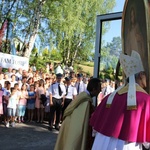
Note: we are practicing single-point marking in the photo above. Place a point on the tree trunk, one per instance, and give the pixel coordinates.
(67, 57)
(36, 24)
(25, 40)
(31, 42)
(32, 38)
(73, 58)
(75, 54)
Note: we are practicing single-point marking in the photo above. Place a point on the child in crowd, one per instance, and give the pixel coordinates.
(18, 93)
(22, 103)
(31, 103)
(36, 85)
(1, 102)
(6, 95)
(47, 83)
(40, 108)
(11, 108)
(47, 106)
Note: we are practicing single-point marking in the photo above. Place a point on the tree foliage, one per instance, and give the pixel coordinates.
(25, 16)
(68, 26)
(109, 57)
(72, 25)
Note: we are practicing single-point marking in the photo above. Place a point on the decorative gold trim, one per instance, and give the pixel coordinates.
(125, 89)
(108, 105)
(131, 107)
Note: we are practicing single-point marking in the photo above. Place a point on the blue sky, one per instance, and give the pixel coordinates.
(119, 5)
(115, 26)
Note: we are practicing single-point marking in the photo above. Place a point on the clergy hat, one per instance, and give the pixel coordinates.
(59, 75)
(67, 78)
(79, 75)
(131, 65)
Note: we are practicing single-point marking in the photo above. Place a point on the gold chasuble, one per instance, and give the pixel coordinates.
(73, 133)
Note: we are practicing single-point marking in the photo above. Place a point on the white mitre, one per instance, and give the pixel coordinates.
(131, 65)
(58, 70)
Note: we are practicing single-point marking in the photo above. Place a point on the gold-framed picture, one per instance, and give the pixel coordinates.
(135, 31)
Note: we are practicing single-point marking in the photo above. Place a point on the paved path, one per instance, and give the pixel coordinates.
(27, 136)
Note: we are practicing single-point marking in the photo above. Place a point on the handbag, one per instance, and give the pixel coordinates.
(43, 99)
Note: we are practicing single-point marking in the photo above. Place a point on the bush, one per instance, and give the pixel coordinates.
(79, 68)
(90, 64)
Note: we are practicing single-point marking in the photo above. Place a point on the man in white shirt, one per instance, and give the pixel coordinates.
(57, 93)
(9, 72)
(13, 80)
(80, 85)
(19, 74)
(71, 93)
(107, 89)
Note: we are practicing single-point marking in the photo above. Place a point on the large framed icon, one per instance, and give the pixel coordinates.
(135, 31)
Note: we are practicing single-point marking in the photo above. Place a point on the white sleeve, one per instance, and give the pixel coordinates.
(74, 91)
(146, 145)
(85, 87)
(50, 89)
(64, 90)
(5, 93)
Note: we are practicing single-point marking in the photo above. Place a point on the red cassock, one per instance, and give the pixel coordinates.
(120, 123)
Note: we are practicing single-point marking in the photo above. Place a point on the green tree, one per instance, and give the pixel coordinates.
(55, 55)
(115, 46)
(34, 56)
(26, 18)
(72, 25)
(39, 60)
(110, 53)
(67, 25)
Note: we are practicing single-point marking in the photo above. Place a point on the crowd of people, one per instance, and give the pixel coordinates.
(21, 94)
(66, 98)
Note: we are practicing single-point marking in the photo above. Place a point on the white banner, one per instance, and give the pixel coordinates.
(14, 62)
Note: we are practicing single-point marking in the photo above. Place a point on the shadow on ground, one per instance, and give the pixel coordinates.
(27, 136)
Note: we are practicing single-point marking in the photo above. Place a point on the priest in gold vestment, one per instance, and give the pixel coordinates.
(75, 132)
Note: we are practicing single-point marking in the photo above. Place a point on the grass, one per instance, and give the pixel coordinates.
(90, 64)
(87, 69)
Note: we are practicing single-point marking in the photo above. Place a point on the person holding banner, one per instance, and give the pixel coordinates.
(13, 80)
(19, 74)
(9, 72)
